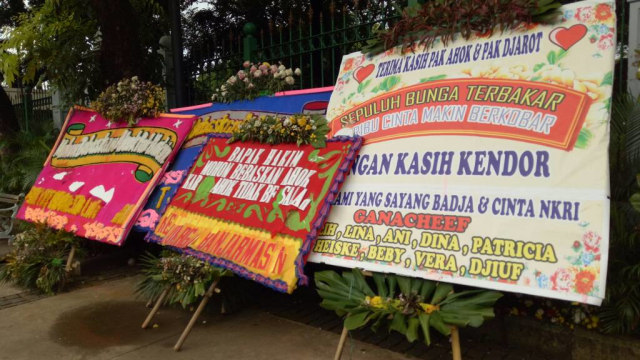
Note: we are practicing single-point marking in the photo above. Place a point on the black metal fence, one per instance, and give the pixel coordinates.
(315, 43)
(31, 105)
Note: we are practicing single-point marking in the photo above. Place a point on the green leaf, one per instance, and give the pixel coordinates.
(405, 284)
(584, 137)
(551, 57)
(433, 78)
(424, 324)
(363, 85)
(362, 283)
(538, 66)
(442, 290)
(355, 321)
(412, 329)
(399, 323)
(635, 201)
(560, 54)
(381, 284)
(416, 285)
(608, 79)
(392, 281)
(389, 82)
(437, 323)
(426, 290)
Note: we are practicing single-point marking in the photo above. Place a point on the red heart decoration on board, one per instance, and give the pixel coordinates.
(566, 38)
(362, 72)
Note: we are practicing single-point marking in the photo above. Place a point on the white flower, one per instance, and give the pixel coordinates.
(223, 88)
(289, 80)
(282, 68)
(289, 72)
(298, 71)
(135, 78)
(257, 73)
(250, 86)
(232, 80)
(246, 80)
(224, 93)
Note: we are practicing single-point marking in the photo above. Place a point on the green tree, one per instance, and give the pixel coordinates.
(9, 9)
(81, 47)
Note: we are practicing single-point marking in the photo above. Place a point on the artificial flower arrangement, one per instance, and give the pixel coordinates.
(130, 100)
(441, 20)
(256, 79)
(38, 258)
(296, 129)
(406, 305)
(186, 276)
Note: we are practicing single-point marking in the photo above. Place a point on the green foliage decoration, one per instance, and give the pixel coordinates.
(442, 19)
(38, 258)
(130, 100)
(187, 277)
(409, 306)
(297, 129)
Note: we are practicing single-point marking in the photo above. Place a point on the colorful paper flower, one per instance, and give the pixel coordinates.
(603, 12)
(562, 280)
(584, 281)
(591, 241)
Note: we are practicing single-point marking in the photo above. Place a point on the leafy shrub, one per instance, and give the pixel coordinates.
(621, 309)
(38, 258)
(22, 155)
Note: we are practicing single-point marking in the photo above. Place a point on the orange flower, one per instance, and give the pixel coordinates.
(348, 64)
(584, 281)
(603, 12)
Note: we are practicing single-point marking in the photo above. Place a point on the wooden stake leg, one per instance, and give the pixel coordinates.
(67, 268)
(343, 339)
(156, 307)
(72, 253)
(455, 344)
(195, 316)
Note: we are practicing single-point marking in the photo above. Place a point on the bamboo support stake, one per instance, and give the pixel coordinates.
(157, 305)
(72, 253)
(195, 316)
(455, 344)
(67, 268)
(343, 339)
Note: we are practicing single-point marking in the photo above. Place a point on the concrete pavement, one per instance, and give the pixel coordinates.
(103, 322)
